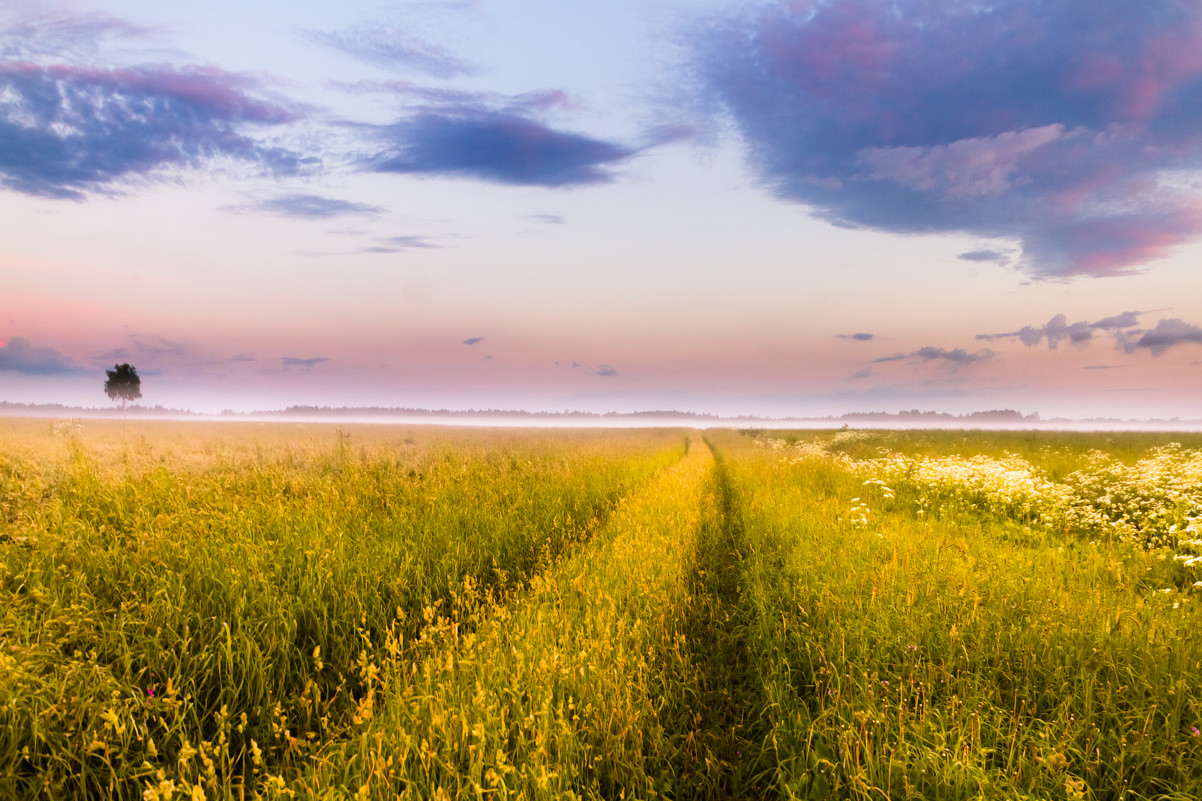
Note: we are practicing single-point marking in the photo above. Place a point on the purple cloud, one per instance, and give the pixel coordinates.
(314, 207)
(473, 340)
(396, 244)
(605, 370)
(1054, 123)
(393, 49)
(1059, 329)
(1168, 333)
(57, 34)
(534, 102)
(955, 358)
(19, 356)
(68, 130)
(857, 337)
(995, 256)
(495, 146)
(289, 361)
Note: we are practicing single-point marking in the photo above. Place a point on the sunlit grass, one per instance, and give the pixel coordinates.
(228, 611)
(937, 640)
(579, 687)
(210, 606)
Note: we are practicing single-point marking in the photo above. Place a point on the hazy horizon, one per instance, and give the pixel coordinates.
(771, 209)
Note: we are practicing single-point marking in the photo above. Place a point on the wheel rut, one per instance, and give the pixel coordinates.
(724, 757)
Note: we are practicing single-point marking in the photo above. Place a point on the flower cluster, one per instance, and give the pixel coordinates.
(1155, 502)
(1008, 487)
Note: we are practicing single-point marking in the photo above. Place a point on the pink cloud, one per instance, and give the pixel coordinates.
(1040, 122)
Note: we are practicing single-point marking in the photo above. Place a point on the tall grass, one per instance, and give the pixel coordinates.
(581, 687)
(282, 611)
(211, 609)
(911, 655)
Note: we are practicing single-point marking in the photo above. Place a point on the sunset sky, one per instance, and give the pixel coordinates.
(800, 208)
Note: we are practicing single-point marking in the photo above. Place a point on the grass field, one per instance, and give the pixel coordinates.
(194, 610)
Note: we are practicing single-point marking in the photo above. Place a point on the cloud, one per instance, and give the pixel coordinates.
(392, 48)
(19, 356)
(548, 219)
(473, 340)
(856, 337)
(1169, 333)
(537, 101)
(955, 358)
(61, 35)
(397, 244)
(1101, 367)
(606, 370)
(314, 207)
(1059, 329)
(289, 361)
(69, 130)
(496, 146)
(383, 245)
(494, 137)
(995, 256)
(1067, 125)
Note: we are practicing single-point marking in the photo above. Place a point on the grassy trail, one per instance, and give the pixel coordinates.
(627, 670)
(726, 717)
(584, 688)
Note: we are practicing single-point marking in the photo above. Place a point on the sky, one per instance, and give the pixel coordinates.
(769, 208)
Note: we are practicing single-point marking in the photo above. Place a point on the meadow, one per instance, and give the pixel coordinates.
(220, 611)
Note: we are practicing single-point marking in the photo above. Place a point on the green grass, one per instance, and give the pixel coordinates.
(229, 611)
(960, 654)
(221, 606)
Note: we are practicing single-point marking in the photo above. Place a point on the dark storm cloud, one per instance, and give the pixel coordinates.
(1059, 329)
(392, 48)
(68, 130)
(1065, 124)
(314, 207)
(19, 356)
(496, 146)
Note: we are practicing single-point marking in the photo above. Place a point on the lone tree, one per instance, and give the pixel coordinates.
(123, 383)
